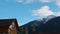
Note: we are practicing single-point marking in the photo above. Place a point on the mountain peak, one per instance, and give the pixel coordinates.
(45, 19)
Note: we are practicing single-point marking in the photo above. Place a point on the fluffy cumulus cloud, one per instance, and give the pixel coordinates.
(44, 11)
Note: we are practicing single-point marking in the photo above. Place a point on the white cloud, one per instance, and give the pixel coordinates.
(30, 1)
(57, 13)
(43, 11)
(26, 1)
(57, 2)
(45, 0)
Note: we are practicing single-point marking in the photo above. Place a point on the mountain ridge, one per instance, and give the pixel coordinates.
(42, 25)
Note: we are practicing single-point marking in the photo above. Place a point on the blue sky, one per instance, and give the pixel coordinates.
(28, 10)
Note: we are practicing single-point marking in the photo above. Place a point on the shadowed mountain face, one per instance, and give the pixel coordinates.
(30, 27)
(53, 24)
(49, 25)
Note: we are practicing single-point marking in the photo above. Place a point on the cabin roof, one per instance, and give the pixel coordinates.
(6, 22)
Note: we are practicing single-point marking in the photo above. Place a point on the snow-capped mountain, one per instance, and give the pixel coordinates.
(40, 21)
(50, 17)
(48, 23)
(45, 19)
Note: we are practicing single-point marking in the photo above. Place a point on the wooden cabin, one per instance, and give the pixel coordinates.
(8, 26)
